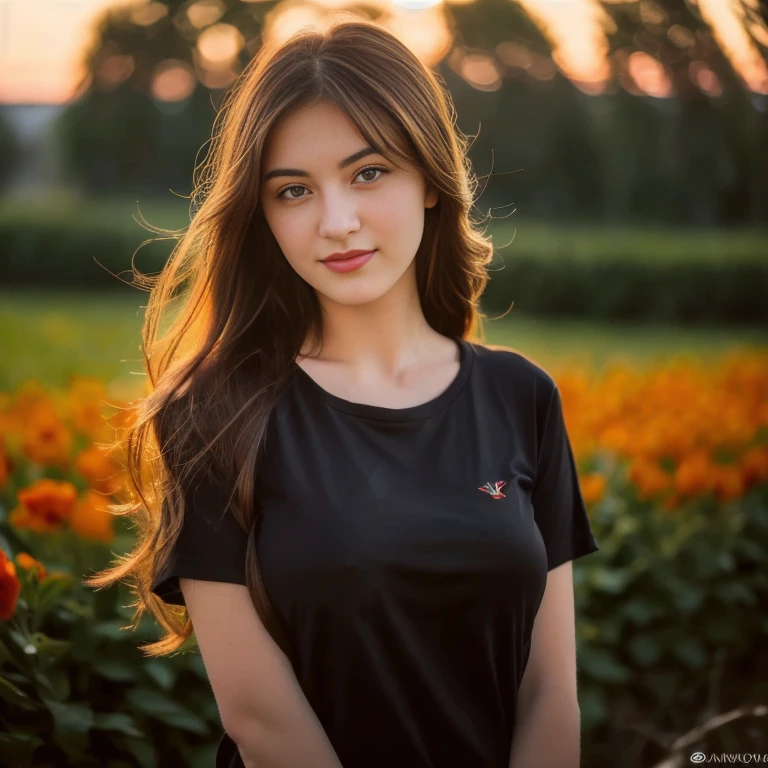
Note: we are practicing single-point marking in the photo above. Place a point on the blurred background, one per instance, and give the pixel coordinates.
(622, 156)
(621, 148)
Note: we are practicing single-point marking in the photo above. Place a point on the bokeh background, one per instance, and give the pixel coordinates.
(621, 150)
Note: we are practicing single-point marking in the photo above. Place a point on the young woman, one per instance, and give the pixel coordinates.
(368, 518)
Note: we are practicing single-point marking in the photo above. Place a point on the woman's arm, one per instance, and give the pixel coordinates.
(261, 704)
(548, 722)
(302, 743)
(547, 732)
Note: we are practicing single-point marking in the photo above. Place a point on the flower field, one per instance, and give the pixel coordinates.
(674, 469)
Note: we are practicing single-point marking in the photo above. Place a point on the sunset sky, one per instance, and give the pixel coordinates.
(39, 45)
(40, 41)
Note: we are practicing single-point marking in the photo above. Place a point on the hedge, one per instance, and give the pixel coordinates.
(614, 274)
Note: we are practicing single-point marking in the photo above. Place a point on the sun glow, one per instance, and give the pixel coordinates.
(40, 52)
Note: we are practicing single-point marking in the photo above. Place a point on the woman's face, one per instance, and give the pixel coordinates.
(315, 207)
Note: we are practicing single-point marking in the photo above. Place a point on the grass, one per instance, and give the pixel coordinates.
(51, 337)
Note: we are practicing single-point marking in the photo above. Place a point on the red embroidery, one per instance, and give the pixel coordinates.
(494, 489)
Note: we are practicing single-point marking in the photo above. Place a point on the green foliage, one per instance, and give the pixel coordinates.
(538, 141)
(77, 691)
(125, 141)
(651, 275)
(76, 243)
(9, 151)
(704, 278)
(671, 622)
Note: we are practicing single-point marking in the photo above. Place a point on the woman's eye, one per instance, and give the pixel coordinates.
(288, 189)
(368, 169)
(373, 169)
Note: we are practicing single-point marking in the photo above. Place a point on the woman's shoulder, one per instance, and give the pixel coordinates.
(501, 360)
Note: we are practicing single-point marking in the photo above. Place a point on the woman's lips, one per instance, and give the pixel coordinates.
(349, 265)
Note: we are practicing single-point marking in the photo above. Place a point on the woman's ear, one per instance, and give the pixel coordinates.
(430, 200)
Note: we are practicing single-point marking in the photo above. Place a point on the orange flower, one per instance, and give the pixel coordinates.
(26, 561)
(46, 439)
(727, 482)
(761, 417)
(86, 405)
(10, 587)
(95, 466)
(694, 474)
(91, 517)
(649, 477)
(44, 505)
(592, 487)
(754, 465)
(616, 437)
(6, 465)
(672, 501)
(27, 397)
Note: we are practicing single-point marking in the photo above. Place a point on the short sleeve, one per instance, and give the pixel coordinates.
(559, 509)
(211, 545)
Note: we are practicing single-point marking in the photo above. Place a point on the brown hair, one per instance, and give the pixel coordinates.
(241, 315)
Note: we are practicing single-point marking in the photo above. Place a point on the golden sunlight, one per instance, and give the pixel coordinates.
(425, 32)
(577, 31)
(728, 22)
(173, 80)
(218, 47)
(40, 58)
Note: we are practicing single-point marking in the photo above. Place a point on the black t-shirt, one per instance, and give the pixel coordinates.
(406, 553)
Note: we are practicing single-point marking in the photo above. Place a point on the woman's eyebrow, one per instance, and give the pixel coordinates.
(342, 165)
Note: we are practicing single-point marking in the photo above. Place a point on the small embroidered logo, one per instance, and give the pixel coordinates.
(494, 489)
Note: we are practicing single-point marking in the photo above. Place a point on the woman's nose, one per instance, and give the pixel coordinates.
(339, 215)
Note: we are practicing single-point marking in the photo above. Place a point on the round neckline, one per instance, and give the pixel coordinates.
(420, 411)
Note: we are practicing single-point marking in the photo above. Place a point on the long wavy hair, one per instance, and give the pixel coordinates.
(240, 315)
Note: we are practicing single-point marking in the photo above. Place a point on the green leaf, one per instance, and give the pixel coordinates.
(690, 651)
(51, 590)
(592, 706)
(203, 756)
(105, 603)
(114, 669)
(14, 695)
(611, 580)
(83, 610)
(722, 632)
(57, 682)
(187, 722)
(48, 649)
(196, 664)
(164, 708)
(111, 630)
(161, 672)
(17, 749)
(144, 751)
(751, 549)
(70, 717)
(116, 721)
(641, 610)
(601, 665)
(6, 654)
(726, 561)
(56, 584)
(736, 592)
(688, 598)
(645, 648)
